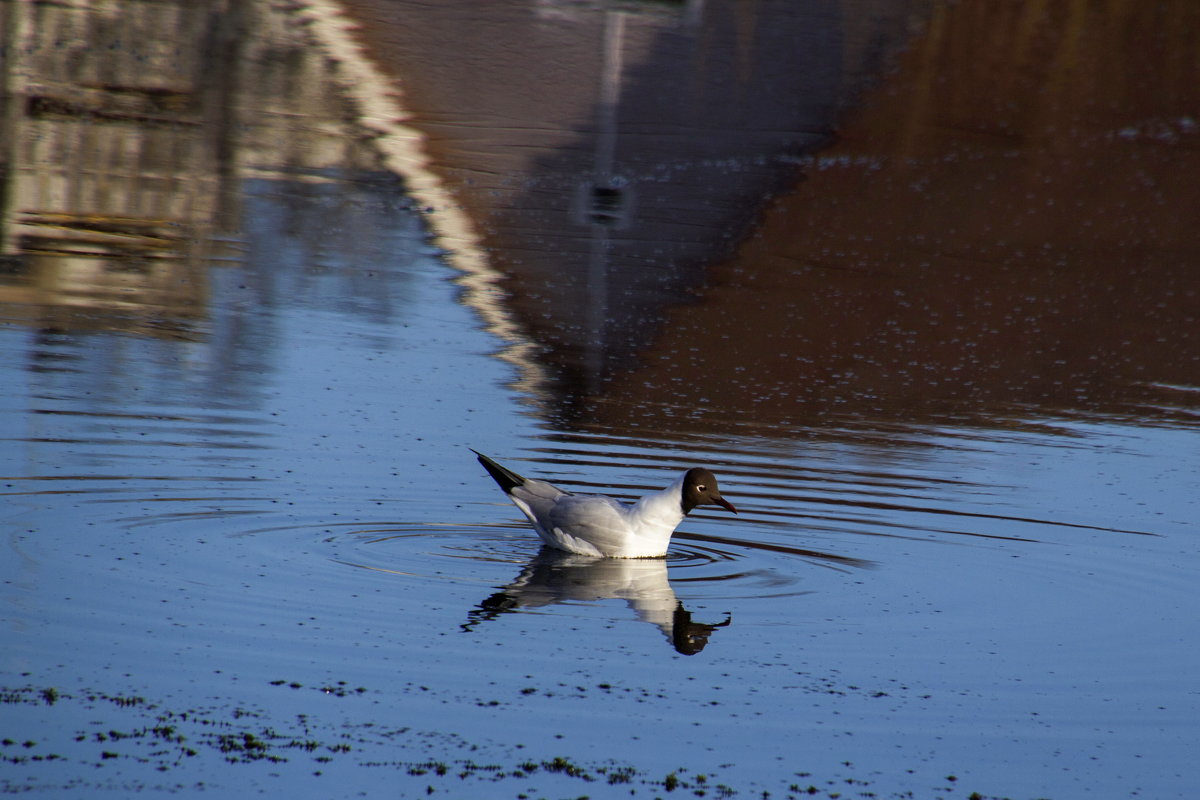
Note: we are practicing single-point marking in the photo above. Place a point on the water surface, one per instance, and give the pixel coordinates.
(246, 546)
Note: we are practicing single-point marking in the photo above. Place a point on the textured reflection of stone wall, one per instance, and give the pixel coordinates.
(126, 128)
(107, 123)
(107, 176)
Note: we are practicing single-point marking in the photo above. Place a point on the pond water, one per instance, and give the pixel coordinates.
(254, 321)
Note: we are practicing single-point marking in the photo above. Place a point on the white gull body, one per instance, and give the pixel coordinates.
(595, 525)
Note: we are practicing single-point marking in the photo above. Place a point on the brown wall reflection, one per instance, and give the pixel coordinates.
(1005, 222)
(1006, 227)
(608, 152)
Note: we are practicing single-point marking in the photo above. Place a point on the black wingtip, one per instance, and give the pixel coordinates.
(506, 478)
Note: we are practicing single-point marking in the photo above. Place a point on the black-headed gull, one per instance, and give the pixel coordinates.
(595, 525)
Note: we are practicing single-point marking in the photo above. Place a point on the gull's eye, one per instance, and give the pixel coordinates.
(700, 487)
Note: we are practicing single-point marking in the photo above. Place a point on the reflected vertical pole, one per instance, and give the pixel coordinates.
(603, 188)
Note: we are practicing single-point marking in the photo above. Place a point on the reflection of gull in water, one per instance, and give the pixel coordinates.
(556, 577)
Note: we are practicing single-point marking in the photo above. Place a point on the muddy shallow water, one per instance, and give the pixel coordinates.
(247, 548)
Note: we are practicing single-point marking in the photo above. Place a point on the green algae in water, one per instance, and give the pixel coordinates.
(144, 738)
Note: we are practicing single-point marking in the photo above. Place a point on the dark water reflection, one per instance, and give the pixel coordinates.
(916, 279)
(603, 188)
(1001, 229)
(981, 233)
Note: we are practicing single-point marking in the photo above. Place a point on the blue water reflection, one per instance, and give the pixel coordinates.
(237, 501)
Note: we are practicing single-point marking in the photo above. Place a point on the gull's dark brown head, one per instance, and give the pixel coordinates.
(700, 489)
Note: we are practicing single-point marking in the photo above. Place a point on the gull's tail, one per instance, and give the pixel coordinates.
(507, 479)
